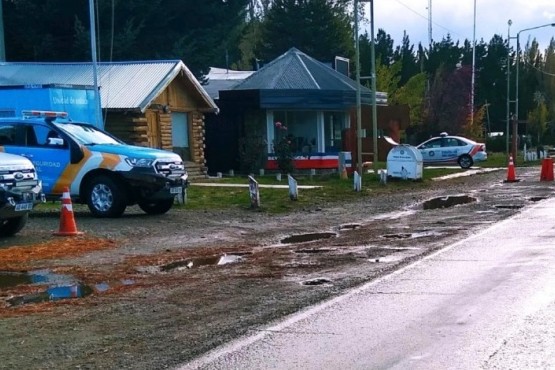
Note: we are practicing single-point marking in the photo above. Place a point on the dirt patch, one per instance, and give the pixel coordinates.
(18, 257)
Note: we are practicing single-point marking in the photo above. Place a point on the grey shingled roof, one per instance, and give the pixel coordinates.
(123, 85)
(294, 70)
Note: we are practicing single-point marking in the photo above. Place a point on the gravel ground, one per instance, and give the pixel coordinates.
(160, 298)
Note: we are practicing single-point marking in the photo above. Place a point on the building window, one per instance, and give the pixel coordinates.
(334, 124)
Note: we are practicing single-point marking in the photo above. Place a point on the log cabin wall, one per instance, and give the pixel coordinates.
(132, 128)
(153, 128)
(177, 97)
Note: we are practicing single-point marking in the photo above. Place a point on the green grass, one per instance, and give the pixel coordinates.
(333, 189)
(501, 160)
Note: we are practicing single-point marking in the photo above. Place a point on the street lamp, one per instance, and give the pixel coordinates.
(508, 87)
(518, 62)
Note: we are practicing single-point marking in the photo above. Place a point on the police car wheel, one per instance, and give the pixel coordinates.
(465, 161)
(12, 226)
(106, 197)
(156, 207)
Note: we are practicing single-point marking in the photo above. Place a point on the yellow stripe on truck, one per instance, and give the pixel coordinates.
(70, 172)
(109, 161)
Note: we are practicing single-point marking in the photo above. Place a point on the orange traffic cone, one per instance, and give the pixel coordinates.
(511, 176)
(67, 221)
(547, 170)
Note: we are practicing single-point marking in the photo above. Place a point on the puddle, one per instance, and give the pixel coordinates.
(537, 199)
(54, 293)
(374, 253)
(317, 281)
(449, 201)
(419, 234)
(397, 236)
(386, 259)
(509, 206)
(392, 215)
(302, 238)
(201, 261)
(314, 250)
(11, 279)
(56, 286)
(349, 227)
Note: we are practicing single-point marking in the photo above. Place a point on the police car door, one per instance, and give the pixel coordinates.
(48, 152)
(430, 150)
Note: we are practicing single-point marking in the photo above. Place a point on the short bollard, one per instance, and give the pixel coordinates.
(254, 193)
(293, 192)
(357, 180)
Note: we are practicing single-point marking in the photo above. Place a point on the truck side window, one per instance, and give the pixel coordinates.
(48, 137)
(7, 134)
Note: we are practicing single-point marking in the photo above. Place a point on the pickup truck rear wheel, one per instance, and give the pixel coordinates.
(156, 207)
(106, 197)
(11, 226)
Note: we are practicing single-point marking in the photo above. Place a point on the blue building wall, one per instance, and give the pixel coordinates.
(79, 102)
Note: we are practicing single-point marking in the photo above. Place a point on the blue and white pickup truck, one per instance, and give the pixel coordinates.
(99, 169)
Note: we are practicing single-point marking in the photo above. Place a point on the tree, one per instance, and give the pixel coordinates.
(405, 55)
(449, 101)
(321, 28)
(537, 118)
(412, 94)
(200, 32)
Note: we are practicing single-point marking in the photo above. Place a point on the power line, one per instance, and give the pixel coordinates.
(428, 19)
(539, 70)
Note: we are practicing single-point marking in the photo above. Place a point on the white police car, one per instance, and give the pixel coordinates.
(447, 149)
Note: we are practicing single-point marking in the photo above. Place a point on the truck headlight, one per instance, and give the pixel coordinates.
(139, 162)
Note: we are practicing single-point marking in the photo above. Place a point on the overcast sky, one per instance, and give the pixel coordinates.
(455, 17)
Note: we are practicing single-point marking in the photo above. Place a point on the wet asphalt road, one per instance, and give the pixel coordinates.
(485, 302)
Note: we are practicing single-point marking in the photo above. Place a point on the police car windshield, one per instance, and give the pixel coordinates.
(86, 135)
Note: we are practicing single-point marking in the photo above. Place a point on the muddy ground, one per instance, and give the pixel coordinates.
(157, 297)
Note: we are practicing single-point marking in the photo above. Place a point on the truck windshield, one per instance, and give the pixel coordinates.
(87, 135)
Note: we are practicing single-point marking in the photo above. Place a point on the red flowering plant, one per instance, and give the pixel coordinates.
(283, 149)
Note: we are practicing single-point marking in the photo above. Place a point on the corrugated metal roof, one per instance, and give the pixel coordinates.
(123, 85)
(296, 70)
(219, 79)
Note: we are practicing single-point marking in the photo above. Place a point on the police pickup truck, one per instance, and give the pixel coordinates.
(20, 191)
(99, 169)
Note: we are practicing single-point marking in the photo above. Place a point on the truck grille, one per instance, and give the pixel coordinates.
(171, 169)
(9, 178)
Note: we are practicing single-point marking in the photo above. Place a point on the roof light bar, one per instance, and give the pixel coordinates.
(43, 114)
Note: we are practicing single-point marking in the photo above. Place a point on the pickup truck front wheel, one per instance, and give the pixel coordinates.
(11, 226)
(156, 207)
(106, 197)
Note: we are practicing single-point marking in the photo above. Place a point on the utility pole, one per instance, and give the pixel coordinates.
(374, 106)
(98, 106)
(358, 103)
(2, 40)
(473, 70)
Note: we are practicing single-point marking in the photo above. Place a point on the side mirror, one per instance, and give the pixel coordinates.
(55, 141)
